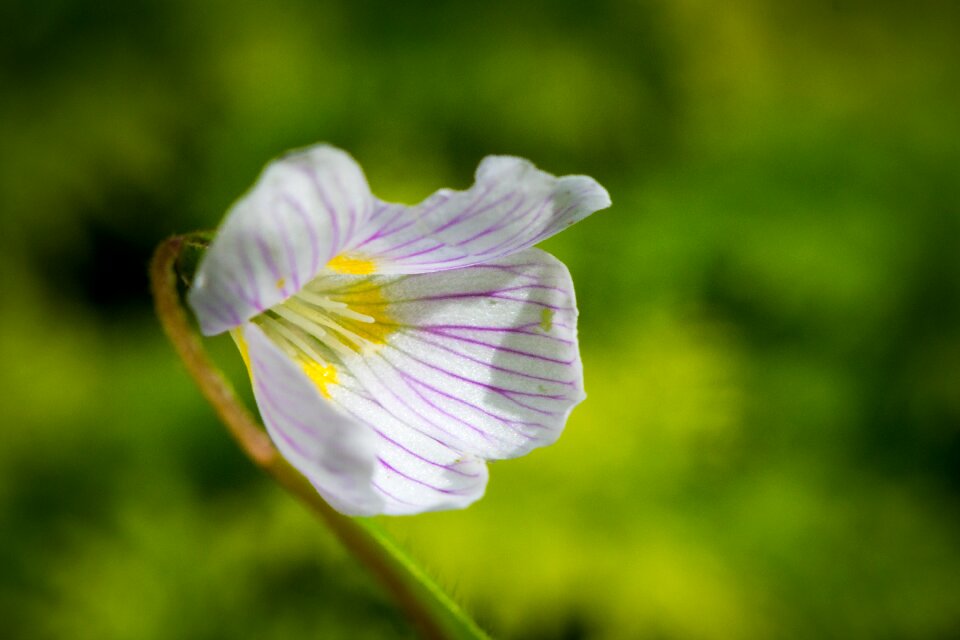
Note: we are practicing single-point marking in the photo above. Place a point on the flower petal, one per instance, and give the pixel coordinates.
(483, 359)
(333, 451)
(416, 472)
(303, 210)
(511, 206)
(362, 465)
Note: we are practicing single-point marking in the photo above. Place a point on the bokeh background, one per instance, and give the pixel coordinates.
(770, 313)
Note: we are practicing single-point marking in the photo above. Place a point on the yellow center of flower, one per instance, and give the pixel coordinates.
(351, 265)
(367, 298)
(320, 374)
(333, 318)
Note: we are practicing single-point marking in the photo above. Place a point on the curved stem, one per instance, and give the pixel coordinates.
(429, 609)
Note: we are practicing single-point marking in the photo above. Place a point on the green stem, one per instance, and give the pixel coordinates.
(433, 614)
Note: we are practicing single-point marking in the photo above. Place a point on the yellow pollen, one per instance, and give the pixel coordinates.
(281, 283)
(320, 374)
(354, 266)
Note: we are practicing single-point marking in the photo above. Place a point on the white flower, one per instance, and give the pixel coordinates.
(394, 349)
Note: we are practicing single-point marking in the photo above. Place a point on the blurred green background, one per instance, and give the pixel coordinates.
(770, 313)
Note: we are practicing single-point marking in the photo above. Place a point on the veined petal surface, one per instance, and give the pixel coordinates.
(511, 206)
(333, 451)
(304, 209)
(362, 464)
(483, 359)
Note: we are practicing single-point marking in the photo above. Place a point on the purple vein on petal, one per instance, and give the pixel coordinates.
(468, 212)
(267, 256)
(444, 394)
(224, 311)
(515, 330)
(406, 243)
(559, 219)
(311, 232)
(484, 385)
(291, 256)
(510, 422)
(538, 303)
(436, 201)
(480, 431)
(519, 238)
(499, 392)
(277, 404)
(311, 174)
(495, 367)
(393, 497)
(269, 410)
(275, 408)
(491, 293)
(415, 412)
(407, 450)
(251, 278)
(237, 290)
(419, 338)
(419, 252)
(462, 421)
(423, 483)
(407, 422)
(497, 347)
(384, 230)
(353, 216)
(503, 221)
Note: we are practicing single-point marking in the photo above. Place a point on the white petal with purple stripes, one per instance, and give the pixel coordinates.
(304, 209)
(511, 206)
(362, 464)
(483, 359)
(415, 472)
(332, 450)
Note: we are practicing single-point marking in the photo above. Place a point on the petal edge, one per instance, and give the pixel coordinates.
(511, 206)
(303, 209)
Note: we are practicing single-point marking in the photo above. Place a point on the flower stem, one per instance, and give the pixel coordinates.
(431, 611)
